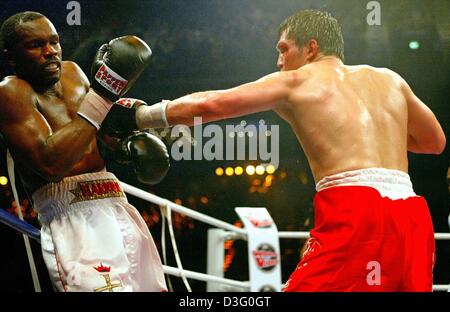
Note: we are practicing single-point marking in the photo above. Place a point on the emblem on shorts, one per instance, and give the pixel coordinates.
(97, 189)
(265, 256)
(104, 271)
(312, 246)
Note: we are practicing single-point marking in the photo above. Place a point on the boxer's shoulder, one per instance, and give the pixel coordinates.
(13, 84)
(371, 70)
(73, 73)
(13, 89)
(16, 98)
(71, 67)
(296, 78)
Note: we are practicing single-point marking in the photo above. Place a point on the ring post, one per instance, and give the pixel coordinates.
(263, 249)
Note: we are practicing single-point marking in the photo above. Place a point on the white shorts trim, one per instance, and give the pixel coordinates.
(393, 184)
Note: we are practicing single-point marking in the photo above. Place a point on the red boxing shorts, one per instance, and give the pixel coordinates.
(371, 233)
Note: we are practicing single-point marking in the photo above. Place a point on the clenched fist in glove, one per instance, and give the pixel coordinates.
(116, 67)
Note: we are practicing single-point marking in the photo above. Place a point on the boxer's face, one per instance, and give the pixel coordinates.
(290, 56)
(37, 54)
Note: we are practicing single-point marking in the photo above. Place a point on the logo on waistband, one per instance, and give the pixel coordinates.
(104, 271)
(97, 189)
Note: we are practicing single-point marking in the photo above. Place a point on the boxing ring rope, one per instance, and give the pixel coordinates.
(205, 277)
(25, 228)
(291, 234)
(181, 209)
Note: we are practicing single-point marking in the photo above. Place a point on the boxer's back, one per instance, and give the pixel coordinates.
(349, 117)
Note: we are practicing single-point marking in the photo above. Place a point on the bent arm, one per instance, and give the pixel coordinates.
(425, 134)
(267, 93)
(51, 155)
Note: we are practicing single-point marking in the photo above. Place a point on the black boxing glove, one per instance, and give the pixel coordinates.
(147, 156)
(116, 67)
(107, 145)
(121, 119)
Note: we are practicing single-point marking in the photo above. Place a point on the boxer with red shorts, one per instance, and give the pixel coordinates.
(372, 233)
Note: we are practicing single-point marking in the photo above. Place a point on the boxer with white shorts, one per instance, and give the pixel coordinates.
(92, 239)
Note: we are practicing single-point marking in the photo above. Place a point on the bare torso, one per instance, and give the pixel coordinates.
(348, 117)
(345, 117)
(55, 109)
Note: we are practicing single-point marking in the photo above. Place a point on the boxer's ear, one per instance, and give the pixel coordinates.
(313, 48)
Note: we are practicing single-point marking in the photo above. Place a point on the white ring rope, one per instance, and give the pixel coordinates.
(205, 277)
(443, 236)
(168, 213)
(12, 178)
(292, 234)
(441, 287)
(163, 245)
(180, 209)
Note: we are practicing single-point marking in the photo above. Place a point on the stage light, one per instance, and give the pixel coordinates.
(3, 180)
(219, 171)
(414, 45)
(268, 181)
(259, 170)
(250, 170)
(270, 169)
(204, 200)
(256, 182)
(229, 171)
(238, 170)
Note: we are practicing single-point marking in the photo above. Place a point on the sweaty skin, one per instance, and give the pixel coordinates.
(345, 117)
(38, 107)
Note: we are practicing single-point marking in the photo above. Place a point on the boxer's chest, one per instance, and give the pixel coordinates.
(60, 108)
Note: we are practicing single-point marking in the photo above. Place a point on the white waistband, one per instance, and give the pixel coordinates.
(393, 184)
(54, 198)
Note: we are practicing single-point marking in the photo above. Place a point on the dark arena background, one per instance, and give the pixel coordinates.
(217, 44)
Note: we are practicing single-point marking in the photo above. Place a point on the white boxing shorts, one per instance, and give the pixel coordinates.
(93, 239)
